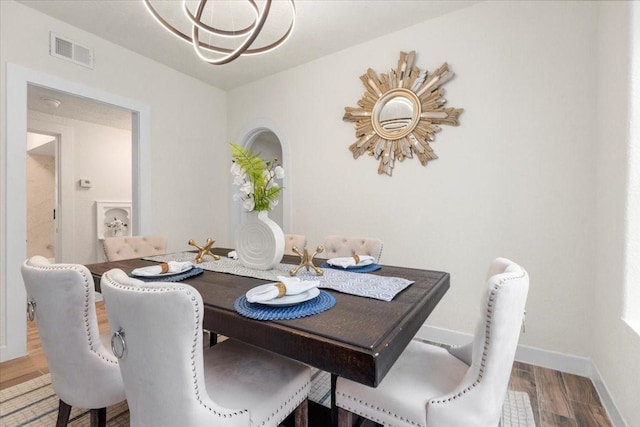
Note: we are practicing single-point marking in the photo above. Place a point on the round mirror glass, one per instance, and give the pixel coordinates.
(397, 114)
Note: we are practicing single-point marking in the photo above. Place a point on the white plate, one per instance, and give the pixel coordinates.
(140, 272)
(287, 299)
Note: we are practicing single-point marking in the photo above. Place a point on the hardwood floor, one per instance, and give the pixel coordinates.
(558, 399)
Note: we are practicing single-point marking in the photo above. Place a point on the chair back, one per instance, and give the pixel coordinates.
(127, 247)
(157, 335)
(341, 246)
(297, 240)
(478, 399)
(84, 372)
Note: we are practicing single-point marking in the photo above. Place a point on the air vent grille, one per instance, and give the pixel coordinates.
(60, 47)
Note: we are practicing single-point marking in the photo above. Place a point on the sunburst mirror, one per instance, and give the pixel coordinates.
(399, 114)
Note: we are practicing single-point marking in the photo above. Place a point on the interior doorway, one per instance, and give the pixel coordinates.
(13, 249)
(93, 163)
(42, 194)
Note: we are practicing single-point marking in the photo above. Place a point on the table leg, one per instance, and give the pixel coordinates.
(213, 338)
(334, 408)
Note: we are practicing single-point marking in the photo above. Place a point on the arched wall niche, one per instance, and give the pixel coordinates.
(269, 141)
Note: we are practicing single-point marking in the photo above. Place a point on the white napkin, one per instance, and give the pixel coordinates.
(155, 270)
(293, 285)
(346, 262)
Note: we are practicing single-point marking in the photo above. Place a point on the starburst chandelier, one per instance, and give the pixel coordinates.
(220, 31)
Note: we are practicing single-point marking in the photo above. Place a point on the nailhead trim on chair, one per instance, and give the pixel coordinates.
(377, 408)
(195, 347)
(487, 336)
(489, 319)
(196, 386)
(85, 316)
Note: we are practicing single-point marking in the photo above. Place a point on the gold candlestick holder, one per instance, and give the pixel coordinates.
(204, 250)
(306, 261)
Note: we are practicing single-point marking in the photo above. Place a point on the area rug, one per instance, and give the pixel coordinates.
(516, 411)
(34, 403)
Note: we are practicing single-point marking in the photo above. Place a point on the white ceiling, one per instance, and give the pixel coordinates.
(76, 107)
(322, 27)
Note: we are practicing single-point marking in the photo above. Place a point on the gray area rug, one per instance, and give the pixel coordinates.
(34, 403)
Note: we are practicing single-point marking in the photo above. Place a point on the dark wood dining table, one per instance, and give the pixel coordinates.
(359, 338)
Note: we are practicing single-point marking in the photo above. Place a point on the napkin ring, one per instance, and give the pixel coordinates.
(282, 289)
(164, 267)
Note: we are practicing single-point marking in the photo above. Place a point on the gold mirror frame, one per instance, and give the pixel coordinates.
(400, 136)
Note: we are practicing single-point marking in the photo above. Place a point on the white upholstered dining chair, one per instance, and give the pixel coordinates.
(465, 386)
(341, 246)
(127, 247)
(291, 240)
(171, 380)
(84, 371)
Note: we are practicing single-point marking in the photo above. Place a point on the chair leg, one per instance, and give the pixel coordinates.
(345, 418)
(64, 411)
(301, 414)
(99, 417)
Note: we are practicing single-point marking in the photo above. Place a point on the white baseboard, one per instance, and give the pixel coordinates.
(577, 365)
(605, 397)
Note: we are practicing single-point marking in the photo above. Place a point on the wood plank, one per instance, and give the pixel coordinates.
(17, 371)
(586, 417)
(548, 419)
(580, 389)
(522, 366)
(552, 396)
(524, 380)
(590, 415)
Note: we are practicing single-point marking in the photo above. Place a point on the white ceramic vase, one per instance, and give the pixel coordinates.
(259, 241)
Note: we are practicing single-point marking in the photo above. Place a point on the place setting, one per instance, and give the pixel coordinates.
(354, 264)
(171, 271)
(288, 298)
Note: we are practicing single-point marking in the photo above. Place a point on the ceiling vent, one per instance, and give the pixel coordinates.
(71, 51)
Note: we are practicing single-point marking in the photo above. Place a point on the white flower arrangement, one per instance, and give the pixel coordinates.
(116, 225)
(256, 180)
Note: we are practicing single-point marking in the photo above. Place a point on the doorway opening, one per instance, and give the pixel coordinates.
(42, 194)
(92, 162)
(13, 248)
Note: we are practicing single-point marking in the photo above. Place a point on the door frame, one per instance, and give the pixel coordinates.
(13, 331)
